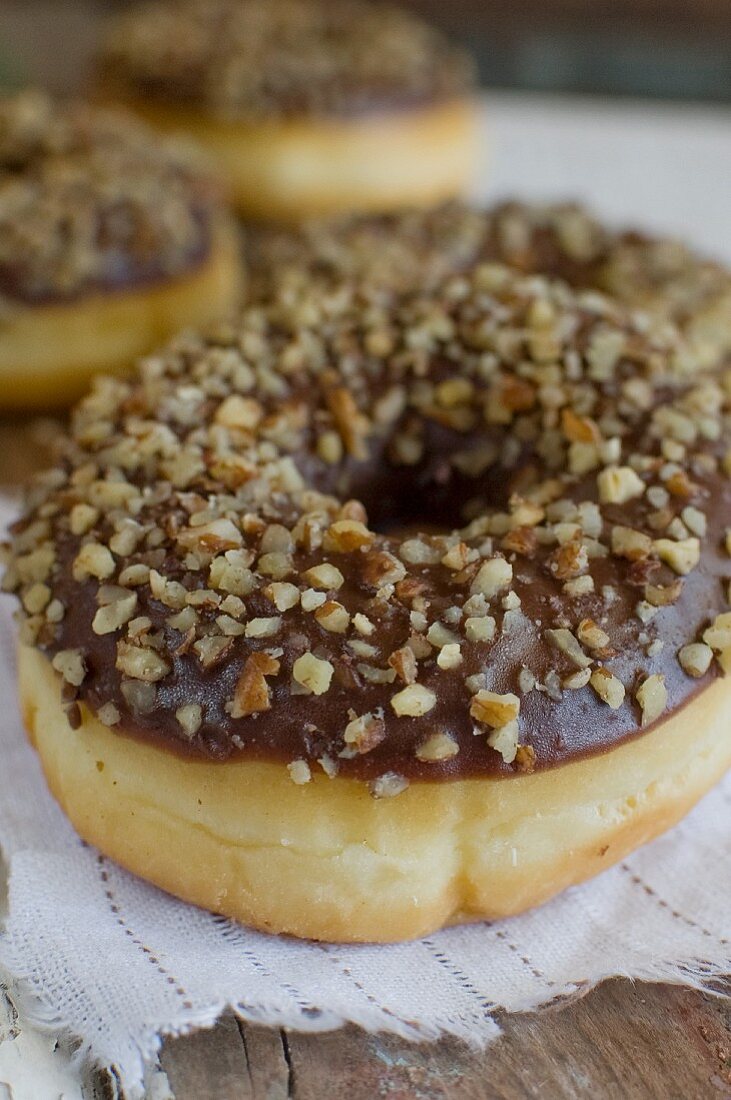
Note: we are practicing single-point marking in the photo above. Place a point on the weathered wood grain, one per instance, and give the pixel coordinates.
(634, 1042)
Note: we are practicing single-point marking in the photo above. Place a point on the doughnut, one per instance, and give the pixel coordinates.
(371, 613)
(110, 242)
(311, 107)
(415, 248)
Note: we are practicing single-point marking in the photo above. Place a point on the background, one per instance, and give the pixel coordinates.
(658, 48)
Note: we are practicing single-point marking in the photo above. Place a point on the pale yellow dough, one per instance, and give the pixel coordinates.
(291, 169)
(326, 860)
(49, 352)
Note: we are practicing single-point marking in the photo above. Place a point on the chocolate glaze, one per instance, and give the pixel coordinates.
(119, 271)
(559, 731)
(298, 403)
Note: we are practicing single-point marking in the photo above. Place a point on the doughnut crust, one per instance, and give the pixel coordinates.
(285, 170)
(221, 572)
(333, 863)
(50, 351)
(311, 108)
(110, 241)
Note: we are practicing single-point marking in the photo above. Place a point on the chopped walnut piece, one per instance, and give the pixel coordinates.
(718, 637)
(325, 576)
(347, 535)
(682, 556)
(210, 650)
(333, 616)
(190, 718)
(313, 673)
(299, 772)
(525, 758)
(504, 740)
(388, 785)
(364, 733)
(695, 659)
(283, 595)
(565, 641)
(239, 412)
(381, 568)
(214, 537)
(264, 627)
(663, 595)
(404, 663)
(579, 429)
(628, 543)
(141, 663)
(492, 709)
(652, 695)
(437, 747)
(592, 635)
(413, 701)
(618, 484)
(449, 656)
(93, 560)
(252, 693)
(108, 714)
(569, 560)
(492, 577)
(70, 663)
(457, 557)
(609, 689)
(114, 615)
(480, 628)
(351, 424)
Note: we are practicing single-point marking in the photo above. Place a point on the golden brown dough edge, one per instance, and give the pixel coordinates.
(292, 169)
(329, 862)
(49, 352)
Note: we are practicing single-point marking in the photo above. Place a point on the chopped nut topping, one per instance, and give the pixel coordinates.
(190, 718)
(413, 701)
(313, 673)
(652, 696)
(388, 785)
(565, 641)
(696, 658)
(252, 693)
(93, 560)
(618, 484)
(202, 513)
(680, 556)
(608, 687)
(492, 577)
(299, 772)
(492, 709)
(437, 747)
(364, 733)
(141, 663)
(70, 663)
(325, 576)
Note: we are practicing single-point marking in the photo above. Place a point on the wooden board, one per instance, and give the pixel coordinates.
(623, 1041)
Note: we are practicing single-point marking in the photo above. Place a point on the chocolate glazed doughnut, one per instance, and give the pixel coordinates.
(249, 685)
(110, 241)
(310, 107)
